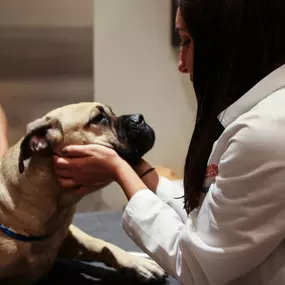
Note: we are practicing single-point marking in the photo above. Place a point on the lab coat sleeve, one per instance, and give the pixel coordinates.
(172, 194)
(239, 224)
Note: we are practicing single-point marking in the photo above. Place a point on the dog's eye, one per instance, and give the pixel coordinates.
(98, 119)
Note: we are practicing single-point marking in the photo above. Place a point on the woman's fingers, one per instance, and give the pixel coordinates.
(78, 150)
(64, 163)
(85, 165)
(64, 173)
(61, 162)
(81, 190)
(67, 183)
(87, 150)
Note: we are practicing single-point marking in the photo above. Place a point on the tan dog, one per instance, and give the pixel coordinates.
(39, 213)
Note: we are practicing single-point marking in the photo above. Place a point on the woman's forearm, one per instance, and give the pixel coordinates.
(129, 180)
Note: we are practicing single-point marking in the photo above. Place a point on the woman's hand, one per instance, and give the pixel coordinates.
(86, 165)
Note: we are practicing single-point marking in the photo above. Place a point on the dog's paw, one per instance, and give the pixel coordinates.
(143, 269)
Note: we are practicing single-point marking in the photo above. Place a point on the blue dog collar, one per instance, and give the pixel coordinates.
(21, 237)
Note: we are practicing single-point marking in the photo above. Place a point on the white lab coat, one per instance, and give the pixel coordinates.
(237, 235)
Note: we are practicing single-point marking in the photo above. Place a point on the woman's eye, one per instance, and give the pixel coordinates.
(185, 43)
(99, 119)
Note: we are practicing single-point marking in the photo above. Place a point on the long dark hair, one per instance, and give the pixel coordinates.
(236, 44)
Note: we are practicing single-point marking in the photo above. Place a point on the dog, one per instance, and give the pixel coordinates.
(36, 214)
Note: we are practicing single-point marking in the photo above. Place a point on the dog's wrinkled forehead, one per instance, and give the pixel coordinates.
(78, 115)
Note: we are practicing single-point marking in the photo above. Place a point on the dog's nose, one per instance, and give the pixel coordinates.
(137, 119)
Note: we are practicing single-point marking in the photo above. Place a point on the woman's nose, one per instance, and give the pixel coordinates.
(182, 67)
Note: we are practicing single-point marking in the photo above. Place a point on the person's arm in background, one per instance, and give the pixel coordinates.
(3, 132)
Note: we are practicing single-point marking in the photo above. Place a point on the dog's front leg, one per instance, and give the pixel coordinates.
(81, 246)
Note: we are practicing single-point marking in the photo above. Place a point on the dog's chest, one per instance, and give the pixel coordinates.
(26, 262)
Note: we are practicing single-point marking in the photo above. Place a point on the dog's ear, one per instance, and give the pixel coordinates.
(42, 134)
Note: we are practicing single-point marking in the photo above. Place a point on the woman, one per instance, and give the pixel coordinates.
(3, 132)
(233, 229)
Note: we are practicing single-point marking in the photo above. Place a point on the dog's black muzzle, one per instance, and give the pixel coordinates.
(136, 135)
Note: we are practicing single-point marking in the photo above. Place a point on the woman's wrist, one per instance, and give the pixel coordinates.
(148, 174)
(142, 167)
(149, 170)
